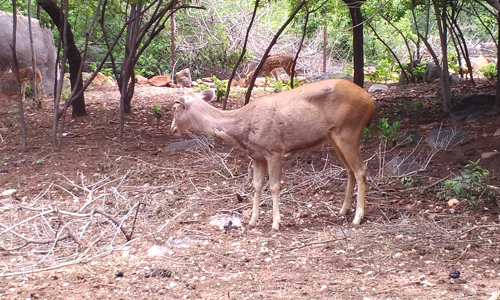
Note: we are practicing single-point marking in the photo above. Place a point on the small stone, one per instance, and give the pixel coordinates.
(455, 274)
(452, 202)
(323, 288)
(8, 192)
(487, 155)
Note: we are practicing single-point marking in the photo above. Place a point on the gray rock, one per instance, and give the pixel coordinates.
(183, 78)
(430, 73)
(44, 49)
(184, 145)
(378, 88)
(447, 138)
(497, 132)
(402, 166)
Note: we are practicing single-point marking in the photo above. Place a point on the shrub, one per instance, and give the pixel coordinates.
(489, 70)
(470, 185)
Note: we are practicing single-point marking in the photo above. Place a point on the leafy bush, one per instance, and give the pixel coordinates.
(388, 131)
(367, 132)
(382, 71)
(220, 87)
(471, 185)
(419, 70)
(489, 70)
(157, 111)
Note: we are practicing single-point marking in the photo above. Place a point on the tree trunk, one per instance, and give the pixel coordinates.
(324, 46)
(15, 69)
(497, 102)
(74, 56)
(172, 44)
(445, 73)
(357, 39)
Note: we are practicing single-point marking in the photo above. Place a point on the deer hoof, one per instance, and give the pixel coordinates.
(357, 220)
(276, 226)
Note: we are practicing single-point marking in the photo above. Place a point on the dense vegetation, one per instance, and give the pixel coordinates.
(125, 38)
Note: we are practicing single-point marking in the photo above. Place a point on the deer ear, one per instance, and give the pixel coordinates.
(181, 102)
(207, 95)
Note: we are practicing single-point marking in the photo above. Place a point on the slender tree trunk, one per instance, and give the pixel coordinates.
(74, 57)
(445, 73)
(325, 42)
(15, 69)
(357, 40)
(497, 102)
(243, 51)
(266, 53)
(172, 43)
(33, 60)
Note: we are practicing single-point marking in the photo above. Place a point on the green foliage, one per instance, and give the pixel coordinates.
(388, 131)
(367, 132)
(406, 181)
(381, 71)
(471, 185)
(200, 88)
(279, 86)
(419, 70)
(157, 111)
(220, 87)
(489, 70)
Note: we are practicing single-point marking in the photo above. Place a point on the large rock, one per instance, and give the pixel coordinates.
(43, 43)
(447, 138)
(160, 81)
(183, 78)
(431, 73)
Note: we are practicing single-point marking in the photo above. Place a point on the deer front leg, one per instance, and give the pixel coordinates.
(23, 91)
(259, 175)
(274, 165)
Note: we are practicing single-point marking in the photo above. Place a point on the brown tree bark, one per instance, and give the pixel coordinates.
(74, 56)
(357, 39)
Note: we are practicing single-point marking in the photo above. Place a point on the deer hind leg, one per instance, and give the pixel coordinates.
(259, 176)
(274, 165)
(348, 151)
(23, 90)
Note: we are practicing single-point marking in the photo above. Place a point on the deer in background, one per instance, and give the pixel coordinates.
(26, 76)
(273, 62)
(271, 127)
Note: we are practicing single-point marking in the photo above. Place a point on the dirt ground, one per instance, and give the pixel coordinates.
(60, 212)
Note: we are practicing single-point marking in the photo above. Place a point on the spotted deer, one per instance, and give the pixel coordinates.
(271, 127)
(26, 76)
(272, 63)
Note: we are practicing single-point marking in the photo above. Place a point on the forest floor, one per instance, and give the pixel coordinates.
(60, 211)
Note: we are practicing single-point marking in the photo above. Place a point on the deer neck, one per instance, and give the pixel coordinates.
(223, 125)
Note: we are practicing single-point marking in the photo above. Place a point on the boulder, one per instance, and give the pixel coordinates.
(44, 48)
(431, 73)
(378, 88)
(160, 81)
(139, 79)
(183, 78)
(447, 138)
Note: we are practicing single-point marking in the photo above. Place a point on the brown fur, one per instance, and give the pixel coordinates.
(271, 127)
(272, 63)
(26, 76)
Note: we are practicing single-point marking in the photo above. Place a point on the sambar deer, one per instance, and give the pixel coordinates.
(271, 127)
(272, 63)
